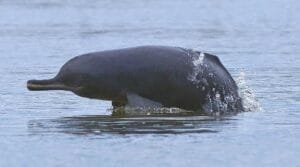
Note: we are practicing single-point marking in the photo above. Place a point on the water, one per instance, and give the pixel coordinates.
(259, 39)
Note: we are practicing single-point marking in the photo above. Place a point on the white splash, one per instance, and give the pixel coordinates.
(197, 62)
(249, 99)
(147, 111)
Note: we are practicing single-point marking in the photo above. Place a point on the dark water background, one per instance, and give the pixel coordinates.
(258, 41)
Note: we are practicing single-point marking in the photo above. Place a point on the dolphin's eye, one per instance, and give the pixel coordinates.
(71, 79)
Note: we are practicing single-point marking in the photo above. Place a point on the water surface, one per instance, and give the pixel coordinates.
(257, 41)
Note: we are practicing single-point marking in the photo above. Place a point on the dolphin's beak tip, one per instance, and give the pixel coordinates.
(29, 85)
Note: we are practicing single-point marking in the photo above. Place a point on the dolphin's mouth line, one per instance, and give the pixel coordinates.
(37, 85)
(46, 87)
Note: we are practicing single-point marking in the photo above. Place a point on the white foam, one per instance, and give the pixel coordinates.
(249, 99)
(146, 111)
(197, 62)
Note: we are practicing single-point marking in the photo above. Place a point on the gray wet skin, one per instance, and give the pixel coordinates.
(149, 76)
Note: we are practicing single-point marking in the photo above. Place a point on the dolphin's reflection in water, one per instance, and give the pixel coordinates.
(124, 124)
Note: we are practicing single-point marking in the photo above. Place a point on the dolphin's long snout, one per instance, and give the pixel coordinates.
(48, 84)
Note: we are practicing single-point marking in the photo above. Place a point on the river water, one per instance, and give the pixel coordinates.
(258, 41)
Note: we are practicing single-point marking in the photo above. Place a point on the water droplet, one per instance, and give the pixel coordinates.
(249, 99)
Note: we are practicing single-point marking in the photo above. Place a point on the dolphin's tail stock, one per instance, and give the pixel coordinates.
(47, 84)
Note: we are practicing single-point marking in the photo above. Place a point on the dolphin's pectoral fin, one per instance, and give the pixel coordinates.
(134, 100)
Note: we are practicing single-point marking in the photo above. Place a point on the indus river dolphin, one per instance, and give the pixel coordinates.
(149, 77)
